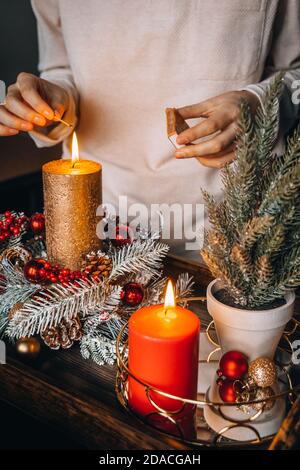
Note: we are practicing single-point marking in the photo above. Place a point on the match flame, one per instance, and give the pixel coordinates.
(75, 151)
(169, 296)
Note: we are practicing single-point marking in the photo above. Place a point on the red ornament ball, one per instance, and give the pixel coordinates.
(121, 236)
(228, 391)
(34, 271)
(234, 365)
(132, 294)
(37, 223)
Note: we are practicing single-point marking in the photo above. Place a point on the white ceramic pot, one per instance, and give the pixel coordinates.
(256, 333)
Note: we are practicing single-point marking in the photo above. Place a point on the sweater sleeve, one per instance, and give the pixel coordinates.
(54, 67)
(284, 55)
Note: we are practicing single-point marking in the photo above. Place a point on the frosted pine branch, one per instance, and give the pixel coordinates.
(138, 256)
(100, 349)
(184, 286)
(16, 290)
(262, 197)
(103, 313)
(54, 304)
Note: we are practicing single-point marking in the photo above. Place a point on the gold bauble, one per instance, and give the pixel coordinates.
(261, 394)
(28, 347)
(263, 372)
(243, 398)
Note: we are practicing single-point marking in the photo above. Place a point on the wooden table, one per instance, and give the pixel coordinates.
(77, 397)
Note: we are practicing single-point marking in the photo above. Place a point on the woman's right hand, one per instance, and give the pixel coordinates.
(30, 102)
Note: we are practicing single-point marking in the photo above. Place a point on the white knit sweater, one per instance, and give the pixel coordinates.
(124, 61)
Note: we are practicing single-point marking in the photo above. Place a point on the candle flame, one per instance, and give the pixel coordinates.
(169, 296)
(75, 151)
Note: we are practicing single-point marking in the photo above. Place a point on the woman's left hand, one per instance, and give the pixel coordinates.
(222, 113)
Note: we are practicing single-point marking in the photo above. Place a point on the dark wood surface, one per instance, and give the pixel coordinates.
(288, 436)
(77, 397)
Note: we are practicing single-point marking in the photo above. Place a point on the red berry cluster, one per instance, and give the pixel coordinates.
(11, 225)
(40, 271)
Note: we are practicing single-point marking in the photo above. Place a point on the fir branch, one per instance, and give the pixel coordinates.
(184, 286)
(240, 180)
(15, 288)
(262, 194)
(241, 257)
(13, 276)
(102, 312)
(289, 273)
(265, 296)
(264, 270)
(280, 165)
(140, 255)
(281, 195)
(291, 157)
(267, 125)
(254, 229)
(271, 244)
(154, 292)
(228, 274)
(111, 328)
(100, 349)
(55, 303)
(219, 217)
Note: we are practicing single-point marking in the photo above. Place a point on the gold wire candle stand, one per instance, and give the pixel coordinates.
(209, 438)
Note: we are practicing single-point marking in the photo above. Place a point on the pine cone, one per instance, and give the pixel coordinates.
(97, 265)
(63, 335)
(14, 309)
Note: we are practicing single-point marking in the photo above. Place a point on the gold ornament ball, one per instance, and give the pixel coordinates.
(263, 372)
(28, 347)
(262, 394)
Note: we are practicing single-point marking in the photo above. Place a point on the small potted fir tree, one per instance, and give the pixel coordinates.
(253, 245)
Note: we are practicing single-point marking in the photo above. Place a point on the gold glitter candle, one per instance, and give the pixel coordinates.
(72, 194)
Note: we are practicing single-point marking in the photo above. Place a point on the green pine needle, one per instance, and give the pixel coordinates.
(253, 245)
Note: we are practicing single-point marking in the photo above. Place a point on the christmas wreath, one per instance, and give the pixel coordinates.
(89, 305)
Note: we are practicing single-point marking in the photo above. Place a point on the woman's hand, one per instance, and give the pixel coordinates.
(222, 113)
(31, 101)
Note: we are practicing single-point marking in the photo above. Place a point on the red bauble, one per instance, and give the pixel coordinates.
(121, 236)
(34, 271)
(132, 294)
(37, 223)
(234, 365)
(228, 391)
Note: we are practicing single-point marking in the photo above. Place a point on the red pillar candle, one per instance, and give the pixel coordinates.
(163, 345)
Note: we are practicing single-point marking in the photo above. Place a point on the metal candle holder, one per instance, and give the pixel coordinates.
(205, 436)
